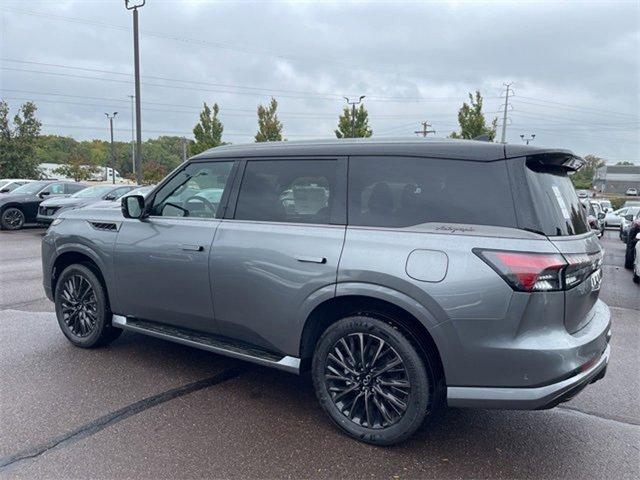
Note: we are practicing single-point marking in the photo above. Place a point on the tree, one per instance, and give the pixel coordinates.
(76, 167)
(208, 132)
(472, 121)
(17, 144)
(269, 127)
(625, 163)
(153, 172)
(583, 178)
(354, 123)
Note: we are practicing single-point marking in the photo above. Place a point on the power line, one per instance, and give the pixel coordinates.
(572, 107)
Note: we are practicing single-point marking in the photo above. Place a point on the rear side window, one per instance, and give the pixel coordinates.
(75, 187)
(405, 191)
(555, 201)
(296, 191)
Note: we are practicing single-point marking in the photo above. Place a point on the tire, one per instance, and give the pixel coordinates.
(79, 291)
(636, 278)
(629, 256)
(342, 399)
(12, 219)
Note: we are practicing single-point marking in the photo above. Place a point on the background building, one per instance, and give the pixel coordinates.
(617, 178)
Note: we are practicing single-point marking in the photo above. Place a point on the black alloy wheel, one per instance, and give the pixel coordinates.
(367, 380)
(79, 305)
(12, 219)
(373, 379)
(82, 307)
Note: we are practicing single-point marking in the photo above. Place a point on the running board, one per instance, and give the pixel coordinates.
(209, 343)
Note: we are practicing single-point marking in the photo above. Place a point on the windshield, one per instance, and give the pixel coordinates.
(31, 188)
(93, 192)
(4, 182)
(556, 202)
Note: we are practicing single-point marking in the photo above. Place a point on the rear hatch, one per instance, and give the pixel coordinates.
(548, 204)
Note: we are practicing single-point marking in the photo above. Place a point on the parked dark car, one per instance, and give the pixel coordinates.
(52, 207)
(632, 230)
(21, 205)
(626, 222)
(404, 274)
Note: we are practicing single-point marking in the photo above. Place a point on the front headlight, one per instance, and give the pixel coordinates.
(56, 221)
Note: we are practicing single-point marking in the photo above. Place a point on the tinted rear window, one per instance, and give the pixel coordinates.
(555, 200)
(405, 191)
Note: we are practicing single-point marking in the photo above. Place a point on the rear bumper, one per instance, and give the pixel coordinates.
(547, 396)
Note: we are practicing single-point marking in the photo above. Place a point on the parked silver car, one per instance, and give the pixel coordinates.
(404, 274)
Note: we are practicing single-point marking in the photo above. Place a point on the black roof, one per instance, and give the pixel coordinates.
(419, 147)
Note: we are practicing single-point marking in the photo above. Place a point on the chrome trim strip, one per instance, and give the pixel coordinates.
(520, 398)
(286, 363)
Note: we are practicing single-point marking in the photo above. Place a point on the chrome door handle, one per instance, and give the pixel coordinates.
(193, 248)
(305, 259)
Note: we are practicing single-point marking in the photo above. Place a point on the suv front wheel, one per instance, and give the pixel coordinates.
(371, 380)
(82, 308)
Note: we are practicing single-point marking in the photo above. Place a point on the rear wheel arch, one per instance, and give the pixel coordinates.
(332, 310)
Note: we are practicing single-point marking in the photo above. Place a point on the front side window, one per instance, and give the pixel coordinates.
(296, 191)
(55, 189)
(194, 192)
(407, 191)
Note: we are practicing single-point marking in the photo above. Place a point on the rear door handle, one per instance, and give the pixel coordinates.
(305, 259)
(193, 248)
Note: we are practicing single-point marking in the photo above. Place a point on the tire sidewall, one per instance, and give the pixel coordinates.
(10, 227)
(103, 320)
(417, 373)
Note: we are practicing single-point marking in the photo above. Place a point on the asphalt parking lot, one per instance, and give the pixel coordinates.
(144, 408)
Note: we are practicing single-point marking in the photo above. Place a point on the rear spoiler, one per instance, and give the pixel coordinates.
(568, 161)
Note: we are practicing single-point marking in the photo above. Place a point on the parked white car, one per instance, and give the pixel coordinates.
(8, 185)
(614, 219)
(632, 191)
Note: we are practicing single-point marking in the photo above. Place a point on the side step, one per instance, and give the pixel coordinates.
(207, 342)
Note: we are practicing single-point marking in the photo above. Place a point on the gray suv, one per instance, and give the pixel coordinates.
(405, 275)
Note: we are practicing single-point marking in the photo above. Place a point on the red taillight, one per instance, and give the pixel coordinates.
(526, 272)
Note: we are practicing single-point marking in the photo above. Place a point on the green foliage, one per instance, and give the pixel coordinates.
(617, 202)
(17, 143)
(153, 172)
(76, 167)
(583, 178)
(472, 121)
(208, 132)
(269, 127)
(359, 128)
(625, 163)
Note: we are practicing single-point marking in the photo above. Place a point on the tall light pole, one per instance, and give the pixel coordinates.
(130, 5)
(113, 156)
(133, 144)
(528, 139)
(353, 114)
(504, 114)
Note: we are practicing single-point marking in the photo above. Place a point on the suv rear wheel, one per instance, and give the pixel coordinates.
(82, 308)
(371, 381)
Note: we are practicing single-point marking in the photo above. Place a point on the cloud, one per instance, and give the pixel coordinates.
(574, 66)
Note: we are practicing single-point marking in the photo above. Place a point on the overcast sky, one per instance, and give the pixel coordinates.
(575, 66)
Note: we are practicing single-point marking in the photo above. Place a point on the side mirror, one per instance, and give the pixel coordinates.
(133, 206)
(601, 216)
(5, 190)
(629, 217)
(110, 197)
(44, 194)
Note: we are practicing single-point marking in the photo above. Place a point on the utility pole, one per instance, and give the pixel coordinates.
(113, 155)
(133, 144)
(504, 115)
(425, 129)
(528, 139)
(184, 149)
(353, 114)
(136, 60)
